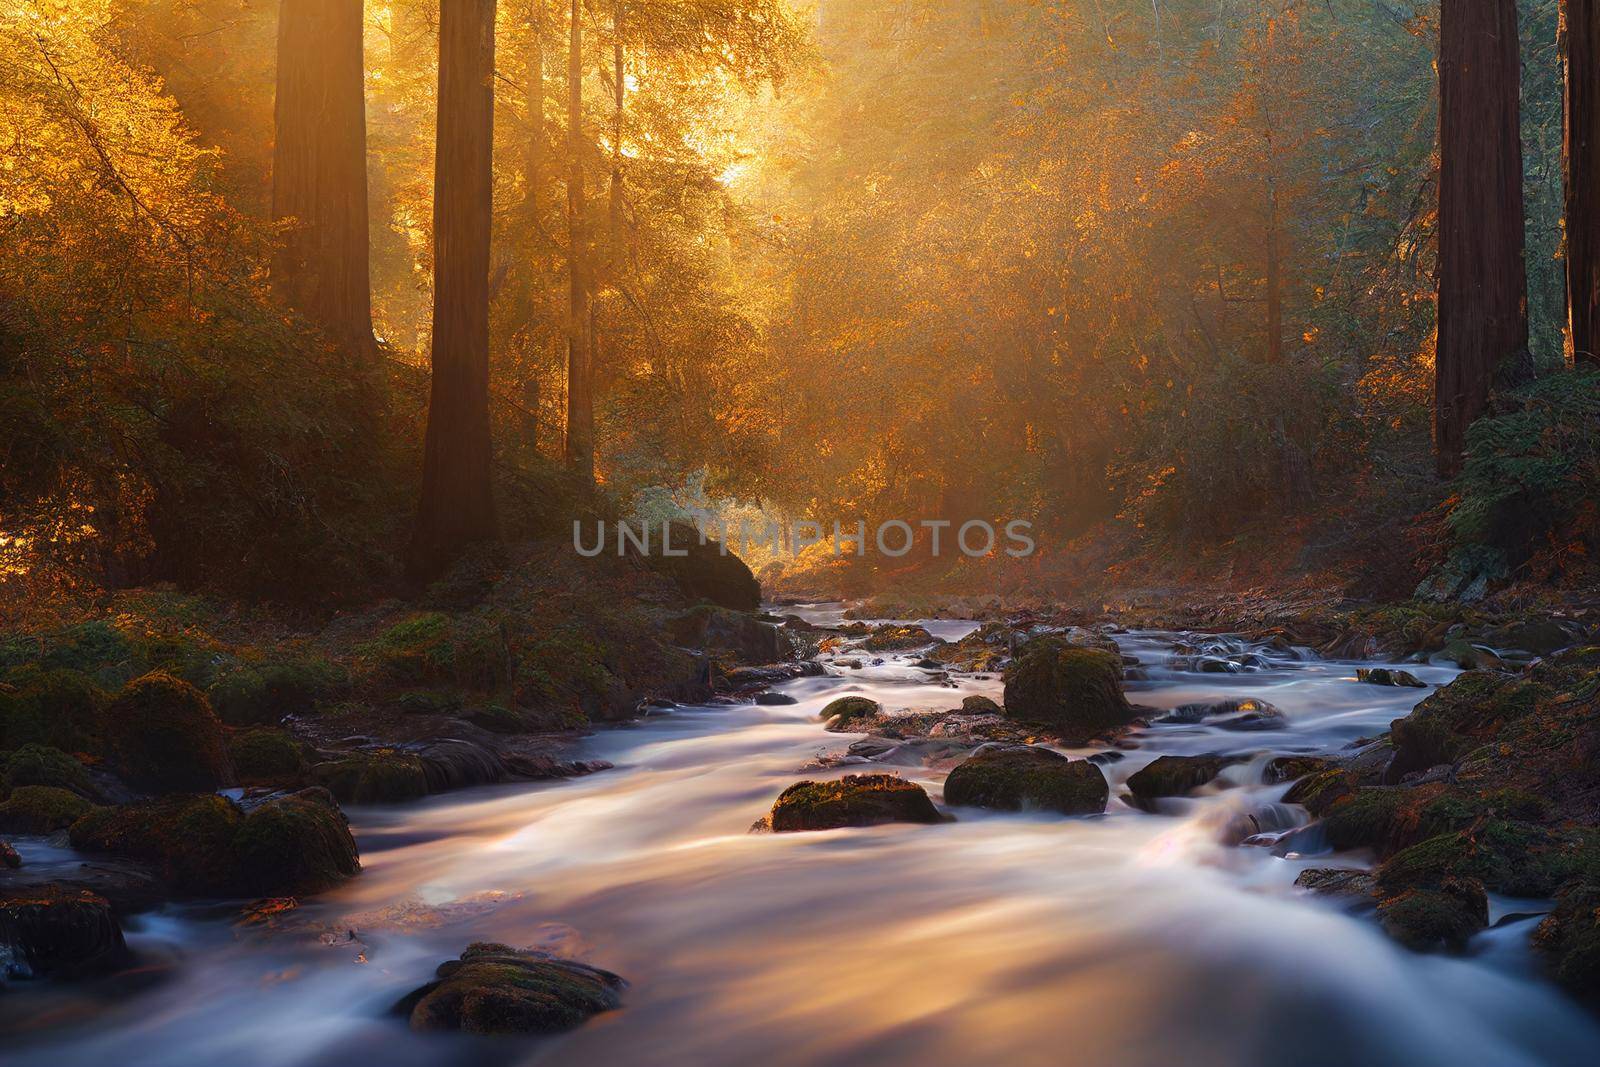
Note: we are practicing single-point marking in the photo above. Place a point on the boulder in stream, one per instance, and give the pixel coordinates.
(496, 989)
(48, 931)
(163, 737)
(1076, 692)
(854, 800)
(1389, 676)
(1028, 778)
(839, 714)
(1173, 776)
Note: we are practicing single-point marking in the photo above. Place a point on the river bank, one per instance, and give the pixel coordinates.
(1167, 927)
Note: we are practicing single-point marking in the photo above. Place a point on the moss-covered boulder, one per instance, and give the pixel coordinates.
(705, 570)
(268, 757)
(1445, 916)
(53, 706)
(1076, 692)
(495, 989)
(1173, 776)
(163, 737)
(285, 845)
(735, 636)
(375, 776)
(839, 714)
(893, 637)
(41, 809)
(1028, 778)
(264, 693)
(52, 932)
(1320, 791)
(42, 765)
(1569, 939)
(854, 800)
(980, 705)
(1390, 676)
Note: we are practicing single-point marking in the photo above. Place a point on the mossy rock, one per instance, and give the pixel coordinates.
(52, 932)
(427, 702)
(294, 844)
(1363, 819)
(42, 765)
(1028, 779)
(53, 706)
(1173, 776)
(286, 845)
(433, 648)
(705, 571)
(855, 800)
(41, 809)
(1458, 718)
(495, 989)
(980, 705)
(742, 638)
(1569, 940)
(268, 757)
(1389, 676)
(163, 737)
(1320, 791)
(497, 719)
(1515, 858)
(263, 694)
(896, 638)
(842, 712)
(1293, 768)
(379, 776)
(1442, 917)
(1077, 692)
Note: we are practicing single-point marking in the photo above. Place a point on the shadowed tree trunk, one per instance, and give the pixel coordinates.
(580, 354)
(457, 508)
(1483, 293)
(319, 169)
(1581, 159)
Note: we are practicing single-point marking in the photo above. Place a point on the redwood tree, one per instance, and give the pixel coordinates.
(580, 351)
(319, 169)
(1483, 301)
(457, 506)
(1581, 159)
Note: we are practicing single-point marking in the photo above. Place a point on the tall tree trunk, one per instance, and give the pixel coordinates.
(580, 354)
(1483, 291)
(319, 169)
(618, 86)
(533, 164)
(1580, 157)
(457, 506)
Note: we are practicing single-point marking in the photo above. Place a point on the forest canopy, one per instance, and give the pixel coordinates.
(1164, 268)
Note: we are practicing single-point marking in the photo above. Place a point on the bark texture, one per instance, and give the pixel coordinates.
(319, 169)
(457, 506)
(1483, 295)
(1581, 159)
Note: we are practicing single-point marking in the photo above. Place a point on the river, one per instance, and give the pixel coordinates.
(1124, 940)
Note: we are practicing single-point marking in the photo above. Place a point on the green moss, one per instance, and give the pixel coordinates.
(268, 757)
(162, 736)
(1319, 792)
(1028, 779)
(41, 809)
(1365, 819)
(42, 765)
(494, 989)
(380, 776)
(1174, 776)
(95, 649)
(1569, 939)
(54, 706)
(433, 648)
(294, 844)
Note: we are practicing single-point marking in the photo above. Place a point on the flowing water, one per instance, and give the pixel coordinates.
(1117, 941)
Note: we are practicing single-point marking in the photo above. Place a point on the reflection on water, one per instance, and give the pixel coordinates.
(1117, 941)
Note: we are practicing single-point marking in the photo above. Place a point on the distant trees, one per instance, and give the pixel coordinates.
(319, 172)
(1483, 301)
(456, 507)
